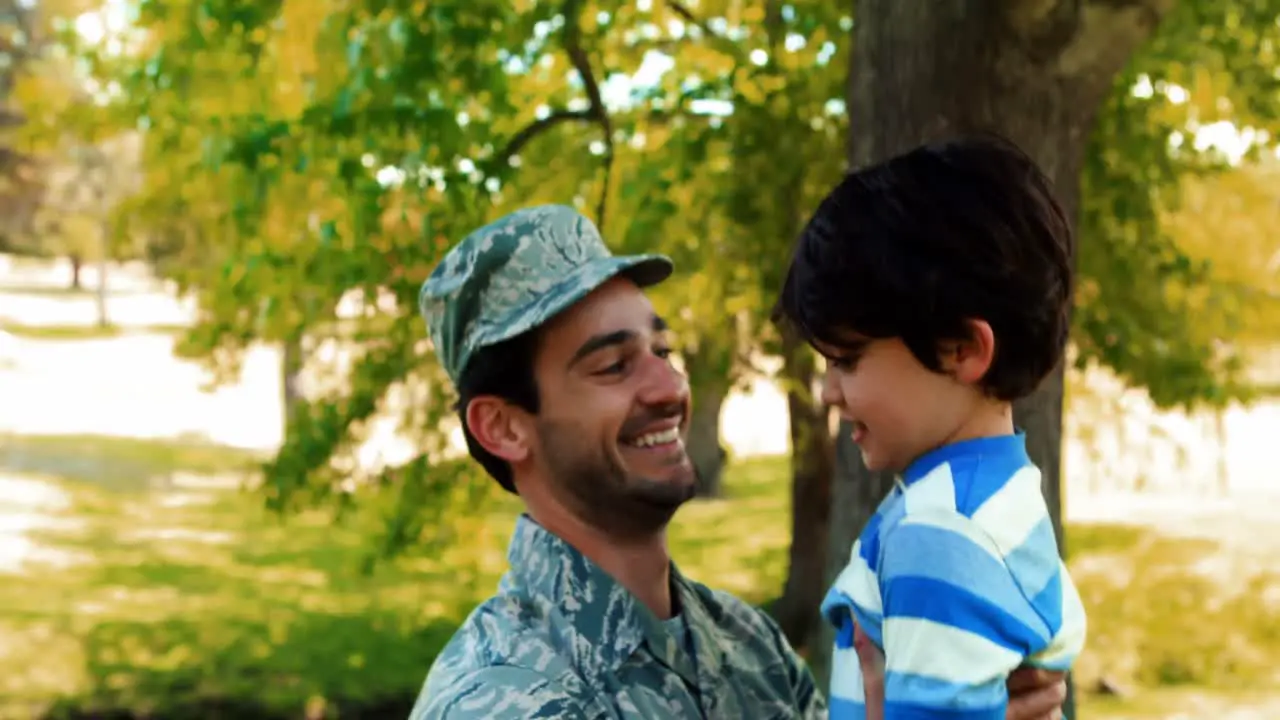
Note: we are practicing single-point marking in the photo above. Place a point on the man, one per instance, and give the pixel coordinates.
(568, 398)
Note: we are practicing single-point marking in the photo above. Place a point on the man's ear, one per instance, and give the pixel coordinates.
(499, 427)
(969, 360)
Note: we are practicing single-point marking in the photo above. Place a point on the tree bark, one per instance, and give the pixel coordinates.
(1037, 71)
(77, 264)
(291, 366)
(705, 451)
(100, 294)
(812, 458)
(1224, 470)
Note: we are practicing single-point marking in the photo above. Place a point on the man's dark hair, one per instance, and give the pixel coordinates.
(962, 229)
(504, 369)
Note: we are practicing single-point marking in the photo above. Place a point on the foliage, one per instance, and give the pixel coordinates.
(304, 159)
(350, 184)
(1140, 285)
(1227, 221)
(18, 186)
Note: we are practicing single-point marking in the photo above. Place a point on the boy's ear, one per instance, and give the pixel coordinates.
(969, 360)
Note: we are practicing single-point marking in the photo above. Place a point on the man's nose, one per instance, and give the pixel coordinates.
(663, 384)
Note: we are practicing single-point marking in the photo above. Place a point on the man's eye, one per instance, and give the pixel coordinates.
(613, 369)
(664, 353)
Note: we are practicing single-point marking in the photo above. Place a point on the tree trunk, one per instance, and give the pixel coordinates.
(1037, 71)
(708, 365)
(705, 451)
(1224, 470)
(77, 264)
(100, 295)
(291, 364)
(812, 458)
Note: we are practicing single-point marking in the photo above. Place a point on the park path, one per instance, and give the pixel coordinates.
(28, 506)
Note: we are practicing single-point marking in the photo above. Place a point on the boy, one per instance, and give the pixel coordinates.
(938, 285)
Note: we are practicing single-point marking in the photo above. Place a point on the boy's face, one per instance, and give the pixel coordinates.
(898, 408)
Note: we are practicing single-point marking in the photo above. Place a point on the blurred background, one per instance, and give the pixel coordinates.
(230, 485)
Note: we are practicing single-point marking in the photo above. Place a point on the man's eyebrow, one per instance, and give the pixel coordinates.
(599, 342)
(617, 337)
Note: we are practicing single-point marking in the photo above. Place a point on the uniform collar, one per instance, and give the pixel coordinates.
(598, 621)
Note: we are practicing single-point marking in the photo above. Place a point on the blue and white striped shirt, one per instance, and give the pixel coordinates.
(958, 579)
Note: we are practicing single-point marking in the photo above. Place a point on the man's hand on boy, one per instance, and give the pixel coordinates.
(1036, 694)
(1033, 694)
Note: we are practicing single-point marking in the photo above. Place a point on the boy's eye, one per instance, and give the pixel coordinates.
(844, 364)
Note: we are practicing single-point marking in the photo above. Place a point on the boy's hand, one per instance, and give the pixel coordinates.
(1033, 694)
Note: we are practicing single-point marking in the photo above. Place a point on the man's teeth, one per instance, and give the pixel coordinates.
(657, 438)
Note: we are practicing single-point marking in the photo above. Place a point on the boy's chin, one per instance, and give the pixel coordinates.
(877, 463)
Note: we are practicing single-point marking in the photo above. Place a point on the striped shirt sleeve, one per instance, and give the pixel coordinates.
(956, 622)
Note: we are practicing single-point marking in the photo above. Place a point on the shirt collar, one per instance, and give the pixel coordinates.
(975, 447)
(597, 620)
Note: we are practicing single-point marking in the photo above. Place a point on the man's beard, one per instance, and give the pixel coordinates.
(592, 482)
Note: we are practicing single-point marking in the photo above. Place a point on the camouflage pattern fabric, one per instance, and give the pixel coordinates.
(562, 639)
(516, 273)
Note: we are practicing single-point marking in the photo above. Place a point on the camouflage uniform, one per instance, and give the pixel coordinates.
(562, 639)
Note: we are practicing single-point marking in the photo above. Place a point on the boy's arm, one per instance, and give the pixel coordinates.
(1034, 694)
(852, 602)
(956, 622)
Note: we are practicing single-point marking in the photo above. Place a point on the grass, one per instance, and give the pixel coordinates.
(198, 603)
(81, 332)
(56, 291)
(1168, 620)
(120, 463)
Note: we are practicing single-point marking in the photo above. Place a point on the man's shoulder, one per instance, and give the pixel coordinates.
(495, 692)
(505, 647)
(502, 628)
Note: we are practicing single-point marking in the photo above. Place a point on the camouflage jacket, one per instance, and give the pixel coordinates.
(562, 639)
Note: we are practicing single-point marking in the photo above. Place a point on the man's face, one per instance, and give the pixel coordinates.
(613, 413)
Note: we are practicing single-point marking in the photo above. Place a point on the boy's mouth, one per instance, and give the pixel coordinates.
(859, 432)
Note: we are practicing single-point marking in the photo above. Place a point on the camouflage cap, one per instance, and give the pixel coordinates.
(516, 273)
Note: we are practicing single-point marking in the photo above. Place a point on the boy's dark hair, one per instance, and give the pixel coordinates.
(913, 247)
(504, 369)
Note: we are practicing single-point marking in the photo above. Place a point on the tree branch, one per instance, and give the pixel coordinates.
(724, 44)
(535, 128)
(596, 111)
(1045, 27)
(1107, 32)
(688, 16)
